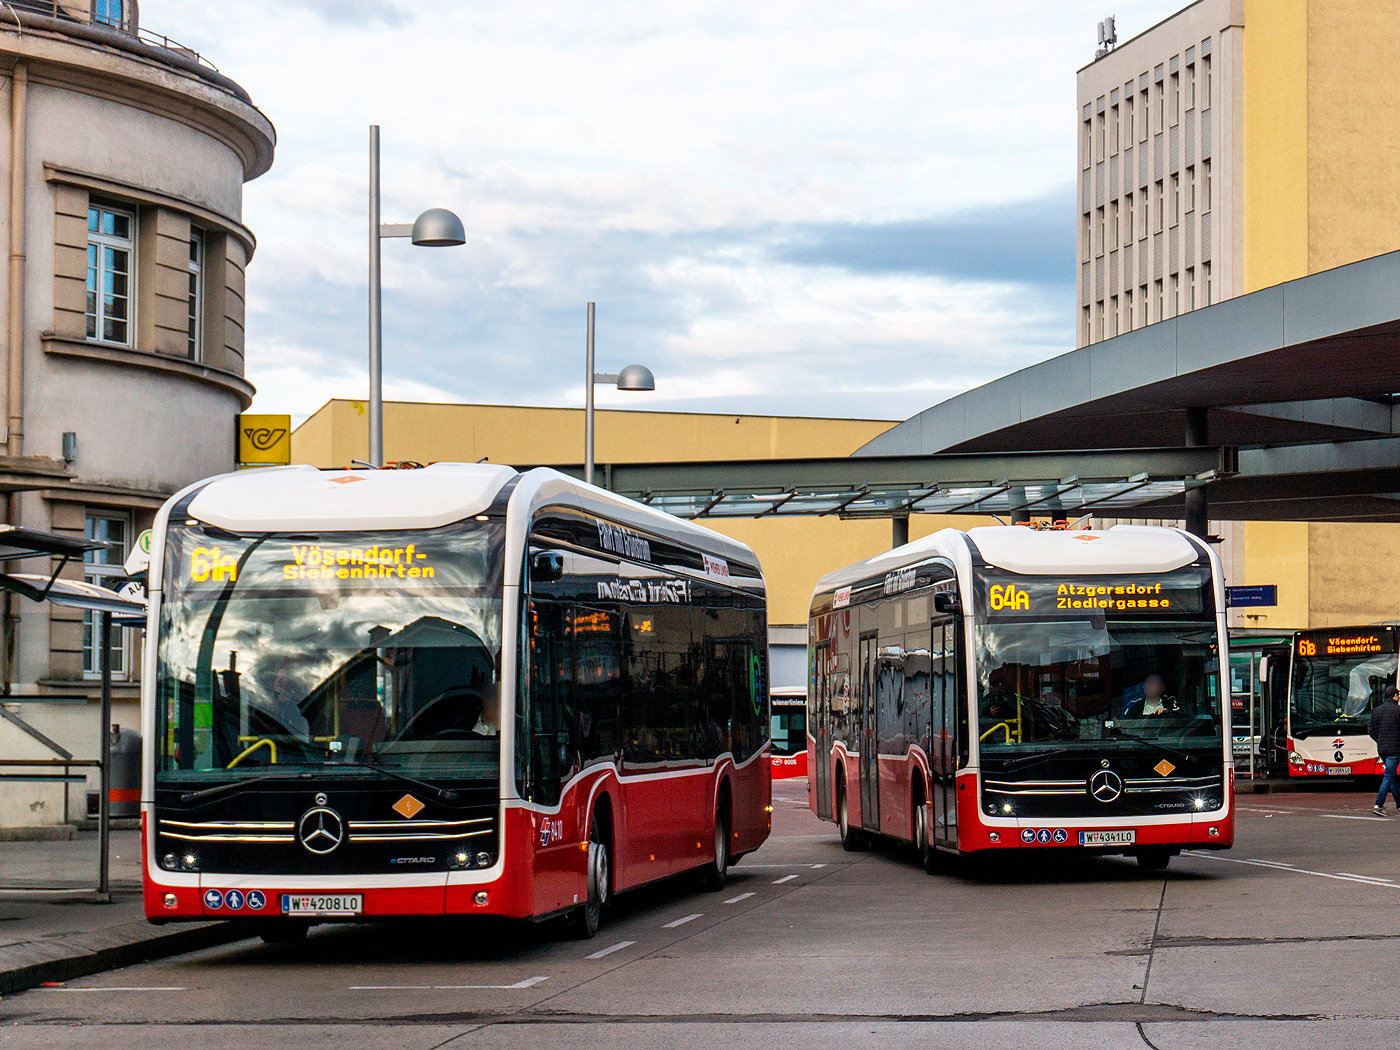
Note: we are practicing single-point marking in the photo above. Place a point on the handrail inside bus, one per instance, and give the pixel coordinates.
(253, 747)
(1005, 726)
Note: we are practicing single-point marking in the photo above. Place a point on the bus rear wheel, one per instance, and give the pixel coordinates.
(928, 854)
(588, 916)
(1154, 859)
(852, 839)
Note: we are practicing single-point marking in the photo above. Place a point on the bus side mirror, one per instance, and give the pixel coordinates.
(546, 566)
(947, 602)
(1263, 670)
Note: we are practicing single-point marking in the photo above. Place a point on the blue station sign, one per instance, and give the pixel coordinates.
(1256, 594)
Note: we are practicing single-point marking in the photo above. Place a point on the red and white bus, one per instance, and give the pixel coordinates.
(1337, 678)
(1004, 688)
(450, 690)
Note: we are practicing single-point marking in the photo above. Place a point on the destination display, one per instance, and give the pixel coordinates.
(1161, 594)
(1348, 643)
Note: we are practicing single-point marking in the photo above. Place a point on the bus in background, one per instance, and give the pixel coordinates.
(1004, 688)
(789, 733)
(449, 690)
(1338, 677)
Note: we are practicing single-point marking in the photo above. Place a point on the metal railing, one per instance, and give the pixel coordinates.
(129, 26)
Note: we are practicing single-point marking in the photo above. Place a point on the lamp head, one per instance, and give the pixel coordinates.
(438, 228)
(636, 377)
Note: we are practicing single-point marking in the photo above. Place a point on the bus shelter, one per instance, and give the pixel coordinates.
(61, 765)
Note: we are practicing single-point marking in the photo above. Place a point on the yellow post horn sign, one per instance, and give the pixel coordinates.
(264, 440)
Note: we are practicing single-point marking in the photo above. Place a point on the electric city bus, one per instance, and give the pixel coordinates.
(1338, 677)
(1004, 688)
(454, 690)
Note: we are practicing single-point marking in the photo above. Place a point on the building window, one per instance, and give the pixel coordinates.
(1205, 70)
(1160, 207)
(1174, 303)
(1113, 316)
(1128, 126)
(1176, 199)
(1191, 86)
(1103, 134)
(1142, 214)
(1101, 232)
(110, 251)
(1206, 273)
(1191, 187)
(1142, 305)
(1098, 321)
(1206, 185)
(1161, 306)
(1145, 113)
(110, 13)
(100, 567)
(1161, 108)
(1176, 98)
(196, 297)
(1113, 147)
(1128, 219)
(1113, 225)
(1190, 288)
(1088, 327)
(1128, 310)
(1088, 237)
(1088, 143)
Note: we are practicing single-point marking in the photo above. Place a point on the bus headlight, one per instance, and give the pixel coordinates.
(461, 859)
(483, 860)
(1295, 759)
(1007, 808)
(1198, 802)
(190, 862)
(170, 862)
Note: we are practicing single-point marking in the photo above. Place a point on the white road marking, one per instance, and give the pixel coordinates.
(785, 878)
(1344, 816)
(529, 982)
(736, 900)
(681, 921)
(148, 988)
(1365, 880)
(746, 866)
(818, 865)
(608, 951)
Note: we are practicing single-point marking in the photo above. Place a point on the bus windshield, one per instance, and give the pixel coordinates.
(1054, 683)
(1336, 694)
(331, 653)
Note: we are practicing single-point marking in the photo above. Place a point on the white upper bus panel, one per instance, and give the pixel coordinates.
(305, 499)
(1123, 548)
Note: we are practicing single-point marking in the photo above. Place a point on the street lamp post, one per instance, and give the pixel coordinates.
(633, 377)
(435, 228)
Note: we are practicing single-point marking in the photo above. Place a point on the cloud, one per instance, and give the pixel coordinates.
(357, 13)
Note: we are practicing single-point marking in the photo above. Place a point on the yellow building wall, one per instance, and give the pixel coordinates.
(1354, 573)
(1276, 142)
(1277, 552)
(1353, 147)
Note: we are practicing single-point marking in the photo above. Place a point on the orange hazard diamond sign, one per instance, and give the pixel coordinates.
(1164, 767)
(408, 807)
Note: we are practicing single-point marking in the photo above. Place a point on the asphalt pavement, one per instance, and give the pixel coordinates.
(1285, 941)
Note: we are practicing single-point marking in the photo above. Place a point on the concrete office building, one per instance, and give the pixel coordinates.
(125, 156)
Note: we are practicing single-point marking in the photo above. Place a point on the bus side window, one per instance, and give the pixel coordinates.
(549, 711)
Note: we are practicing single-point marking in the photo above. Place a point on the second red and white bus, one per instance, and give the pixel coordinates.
(1008, 689)
(450, 690)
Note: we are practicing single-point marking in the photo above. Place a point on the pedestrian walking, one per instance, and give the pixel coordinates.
(1384, 729)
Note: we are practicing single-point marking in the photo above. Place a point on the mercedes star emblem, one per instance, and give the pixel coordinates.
(1105, 785)
(321, 830)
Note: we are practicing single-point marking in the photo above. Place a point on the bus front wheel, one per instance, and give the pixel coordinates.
(589, 915)
(714, 874)
(923, 841)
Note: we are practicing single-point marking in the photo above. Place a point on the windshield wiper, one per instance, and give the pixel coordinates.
(235, 786)
(1180, 756)
(445, 794)
(1031, 760)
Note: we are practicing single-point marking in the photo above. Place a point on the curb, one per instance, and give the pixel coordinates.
(125, 945)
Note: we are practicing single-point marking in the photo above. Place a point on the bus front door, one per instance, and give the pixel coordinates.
(869, 736)
(943, 710)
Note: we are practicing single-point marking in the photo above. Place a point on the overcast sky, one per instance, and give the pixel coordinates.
(793, 207)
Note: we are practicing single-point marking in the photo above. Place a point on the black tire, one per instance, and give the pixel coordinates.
(1154, 859)
(852, 839)
(714, 875)
(923, 841)
(588, 917)
(285, 931)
